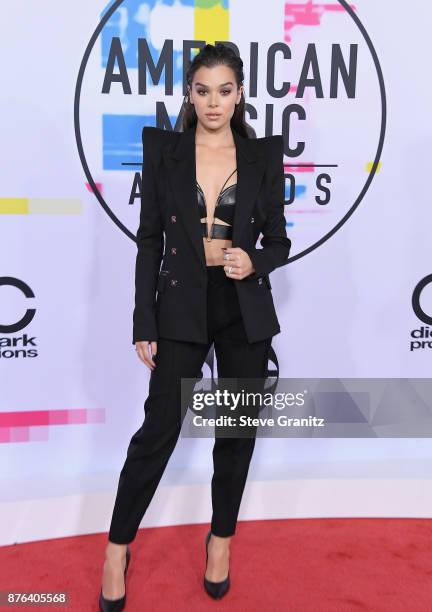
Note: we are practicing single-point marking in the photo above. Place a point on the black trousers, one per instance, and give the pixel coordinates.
(152, 445)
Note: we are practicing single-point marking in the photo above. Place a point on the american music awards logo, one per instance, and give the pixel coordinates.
(317, 81)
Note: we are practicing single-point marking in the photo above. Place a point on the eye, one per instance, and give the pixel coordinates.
(200, 91)
(226, 91)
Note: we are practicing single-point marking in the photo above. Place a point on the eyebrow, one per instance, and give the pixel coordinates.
(222, 85)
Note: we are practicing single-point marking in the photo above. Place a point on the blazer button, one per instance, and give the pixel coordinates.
(173, 219)
(252, 219)
(174, 251)
(174, 282)
(260, 280)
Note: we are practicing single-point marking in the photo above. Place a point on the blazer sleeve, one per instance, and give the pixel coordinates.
(150, 243)
(275, 243)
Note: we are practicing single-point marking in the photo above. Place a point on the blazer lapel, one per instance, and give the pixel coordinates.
(250, 172)
(181, 162)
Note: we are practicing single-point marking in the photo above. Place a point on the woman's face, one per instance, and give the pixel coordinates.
(214, 90)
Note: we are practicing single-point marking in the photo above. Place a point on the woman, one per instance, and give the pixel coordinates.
(208, 291)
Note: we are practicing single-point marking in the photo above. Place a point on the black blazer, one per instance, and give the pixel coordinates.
(169, 206)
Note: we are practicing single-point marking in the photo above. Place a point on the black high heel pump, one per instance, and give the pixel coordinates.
(115, 605)
(215, 589)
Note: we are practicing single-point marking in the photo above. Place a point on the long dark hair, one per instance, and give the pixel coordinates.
(209, 56)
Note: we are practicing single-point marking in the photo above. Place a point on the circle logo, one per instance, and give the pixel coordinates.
(320, 85)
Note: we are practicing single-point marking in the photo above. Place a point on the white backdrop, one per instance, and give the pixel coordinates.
(71, 398)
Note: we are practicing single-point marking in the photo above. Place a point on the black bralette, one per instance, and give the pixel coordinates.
(224, 209)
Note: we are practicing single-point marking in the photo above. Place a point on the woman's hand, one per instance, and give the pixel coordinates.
(239, 262)
(145, 350)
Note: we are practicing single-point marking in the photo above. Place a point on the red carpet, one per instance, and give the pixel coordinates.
(299, 565)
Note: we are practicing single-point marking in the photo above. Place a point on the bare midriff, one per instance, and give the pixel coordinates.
(213, 246)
